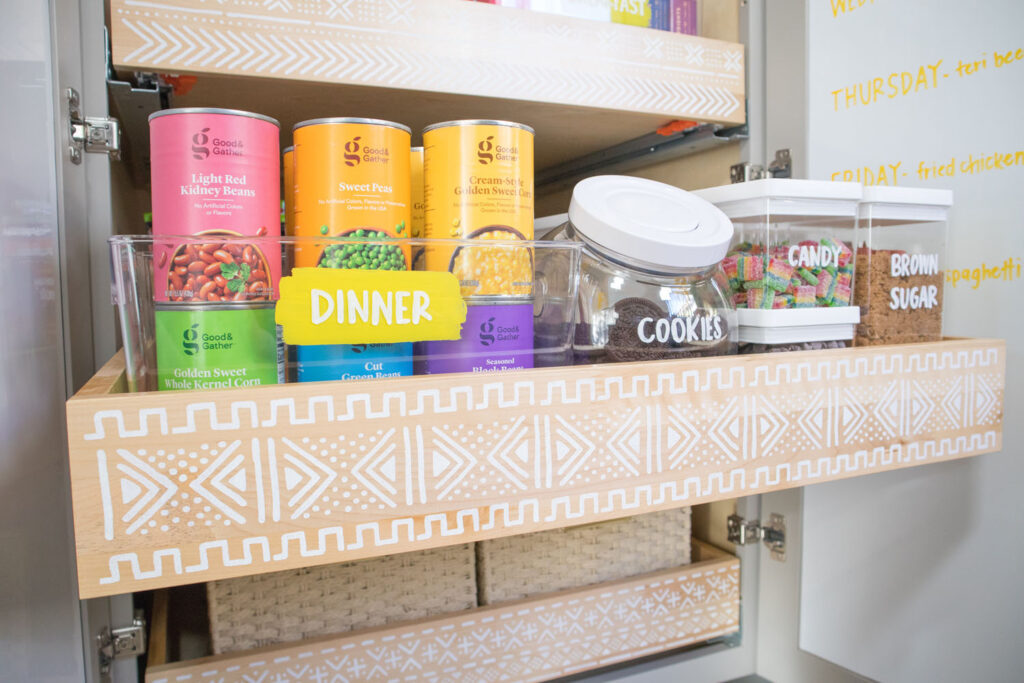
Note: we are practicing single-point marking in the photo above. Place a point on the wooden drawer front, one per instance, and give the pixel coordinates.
(178, 487)
(529, 640)
(448, 46)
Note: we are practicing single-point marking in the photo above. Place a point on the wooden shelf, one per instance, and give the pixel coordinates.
(529, 640)
(178, 487)
(584, 85)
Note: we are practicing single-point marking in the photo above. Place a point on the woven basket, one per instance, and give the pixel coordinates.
(292, 605)
(523, 566)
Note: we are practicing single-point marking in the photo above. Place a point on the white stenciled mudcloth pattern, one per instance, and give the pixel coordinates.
(538, 640)
(189, 486)
(441, 46)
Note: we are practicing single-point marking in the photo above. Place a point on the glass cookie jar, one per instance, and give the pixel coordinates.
(901, 263)
(650, 283)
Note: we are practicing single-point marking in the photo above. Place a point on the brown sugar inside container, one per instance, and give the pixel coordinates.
(901, 264)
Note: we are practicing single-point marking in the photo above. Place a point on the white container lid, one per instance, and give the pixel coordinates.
(798, 317)
(796, 335)
(800, 197)
(900, 205)
(649, 221)
(795, 325)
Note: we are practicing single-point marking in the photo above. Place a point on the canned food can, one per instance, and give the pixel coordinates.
(416, 191)
(215, 174)
(352, 361)
(288, 188)
(211, 346)
(350, 174)
(418, 207)
(352, 180)
(478, 185)
(497, 336)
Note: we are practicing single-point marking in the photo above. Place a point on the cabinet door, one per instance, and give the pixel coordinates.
(913, 575)
(54, 219)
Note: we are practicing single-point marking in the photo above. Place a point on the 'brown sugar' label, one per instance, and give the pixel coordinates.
(910, 265)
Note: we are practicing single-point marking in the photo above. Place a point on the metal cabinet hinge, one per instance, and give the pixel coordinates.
(118, 643)
(780, 167)
(91, 133)
(773, 534)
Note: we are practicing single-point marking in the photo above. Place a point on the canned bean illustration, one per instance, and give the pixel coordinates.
(214, 346)
(350, 174)
(229, 271)
(215, 173)
(478, 184)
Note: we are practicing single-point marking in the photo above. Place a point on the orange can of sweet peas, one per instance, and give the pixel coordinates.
(351, 178)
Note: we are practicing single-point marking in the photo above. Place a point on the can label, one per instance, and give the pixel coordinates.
(216, 347)
(322, 363)
(416, 193)
(213, 175)
(478, 185)
(217, 270)
(495, 338)
(350, 177)
(288, 181)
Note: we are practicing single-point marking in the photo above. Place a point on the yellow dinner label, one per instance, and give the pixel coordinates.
(331, 306)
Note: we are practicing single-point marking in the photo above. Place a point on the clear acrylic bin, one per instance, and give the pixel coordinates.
(791, 267)
(201, 312)
(901, 263)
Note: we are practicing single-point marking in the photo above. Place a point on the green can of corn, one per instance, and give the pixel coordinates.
(210, 346)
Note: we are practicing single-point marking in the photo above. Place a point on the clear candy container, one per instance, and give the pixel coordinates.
(900, 264)
(791, 267)
(650, 285)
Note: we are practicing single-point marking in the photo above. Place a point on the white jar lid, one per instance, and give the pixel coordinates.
(649, 221)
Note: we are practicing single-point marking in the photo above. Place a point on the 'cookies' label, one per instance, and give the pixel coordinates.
(680, 330)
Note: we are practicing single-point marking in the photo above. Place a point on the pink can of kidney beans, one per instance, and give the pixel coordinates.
(216, 177)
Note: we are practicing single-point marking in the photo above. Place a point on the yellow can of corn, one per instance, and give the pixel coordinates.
(478, 185)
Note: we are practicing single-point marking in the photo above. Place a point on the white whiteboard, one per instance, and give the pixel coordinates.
(916, 575)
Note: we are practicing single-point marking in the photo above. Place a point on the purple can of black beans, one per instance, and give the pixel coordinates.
(496, 337)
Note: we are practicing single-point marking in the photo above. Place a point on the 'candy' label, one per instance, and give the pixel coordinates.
(813, 256)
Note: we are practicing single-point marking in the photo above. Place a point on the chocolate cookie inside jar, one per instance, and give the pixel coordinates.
(650, 283)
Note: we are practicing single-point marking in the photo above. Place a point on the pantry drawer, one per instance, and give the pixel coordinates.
(172, 488)
(402, 50)
(534, 639)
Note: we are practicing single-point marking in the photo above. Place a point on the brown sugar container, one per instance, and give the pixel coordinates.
(900, 265)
